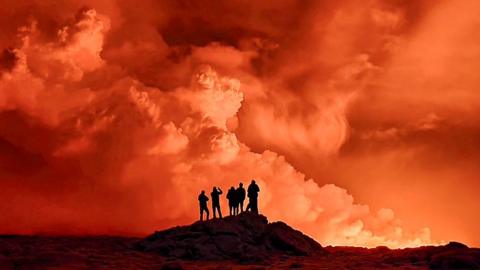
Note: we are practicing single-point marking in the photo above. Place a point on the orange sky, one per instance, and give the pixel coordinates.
(358, 120)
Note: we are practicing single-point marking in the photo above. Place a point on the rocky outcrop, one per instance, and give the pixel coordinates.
(246, 237)
(455, 255)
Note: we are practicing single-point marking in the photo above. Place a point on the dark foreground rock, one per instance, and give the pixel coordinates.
(111, 252)
(245, 238)
(453, 255)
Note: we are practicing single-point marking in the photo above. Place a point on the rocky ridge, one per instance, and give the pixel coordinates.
(246, 238)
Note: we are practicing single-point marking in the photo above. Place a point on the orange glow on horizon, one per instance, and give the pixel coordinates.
(359, 121)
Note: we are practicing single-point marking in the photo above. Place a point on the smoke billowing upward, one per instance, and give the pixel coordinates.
(114, 115)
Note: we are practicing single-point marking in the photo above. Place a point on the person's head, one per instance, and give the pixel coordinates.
(232, 187)
(214, 188)
(253, 181)
(203, 192)
(241, 184)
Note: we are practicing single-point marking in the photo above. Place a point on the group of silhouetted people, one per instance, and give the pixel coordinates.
(236, 198)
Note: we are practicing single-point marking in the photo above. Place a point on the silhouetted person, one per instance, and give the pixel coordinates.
(252, 191)
(203, 199)
(240, 197)
(216, 201)
(232, 200)
(235, 208)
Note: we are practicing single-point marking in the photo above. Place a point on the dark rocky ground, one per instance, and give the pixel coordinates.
(244, 238)
(243, 242)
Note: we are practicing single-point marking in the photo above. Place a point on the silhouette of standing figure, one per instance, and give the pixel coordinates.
(216, 201)
(240, 197)
(232, 200)
(253, 190)
(203, 199)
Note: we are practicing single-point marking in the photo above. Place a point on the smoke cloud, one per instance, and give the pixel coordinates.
(114, 116)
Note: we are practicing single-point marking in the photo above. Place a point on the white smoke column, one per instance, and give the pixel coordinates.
(327, 213)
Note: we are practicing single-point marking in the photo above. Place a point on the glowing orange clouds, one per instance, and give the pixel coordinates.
(113, 117)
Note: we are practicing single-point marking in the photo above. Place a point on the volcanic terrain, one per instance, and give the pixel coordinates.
(246, 241)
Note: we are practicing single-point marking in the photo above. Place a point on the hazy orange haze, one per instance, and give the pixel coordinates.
(358, 119)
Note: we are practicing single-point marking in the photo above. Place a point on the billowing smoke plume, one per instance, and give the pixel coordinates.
(122, 156)
(113, 117)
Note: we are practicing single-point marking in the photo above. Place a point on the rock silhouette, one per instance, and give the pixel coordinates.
(246, 237)
(113, 252)
(453, 255)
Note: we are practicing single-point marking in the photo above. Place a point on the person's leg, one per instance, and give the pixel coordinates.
(255, 206)
(208, 212)
(241, 206)
(202, 210)
(219, 211)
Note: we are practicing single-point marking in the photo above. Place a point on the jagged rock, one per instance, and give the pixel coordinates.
(455, 245)
(284, 238)
(455, 255)
(246, 237)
